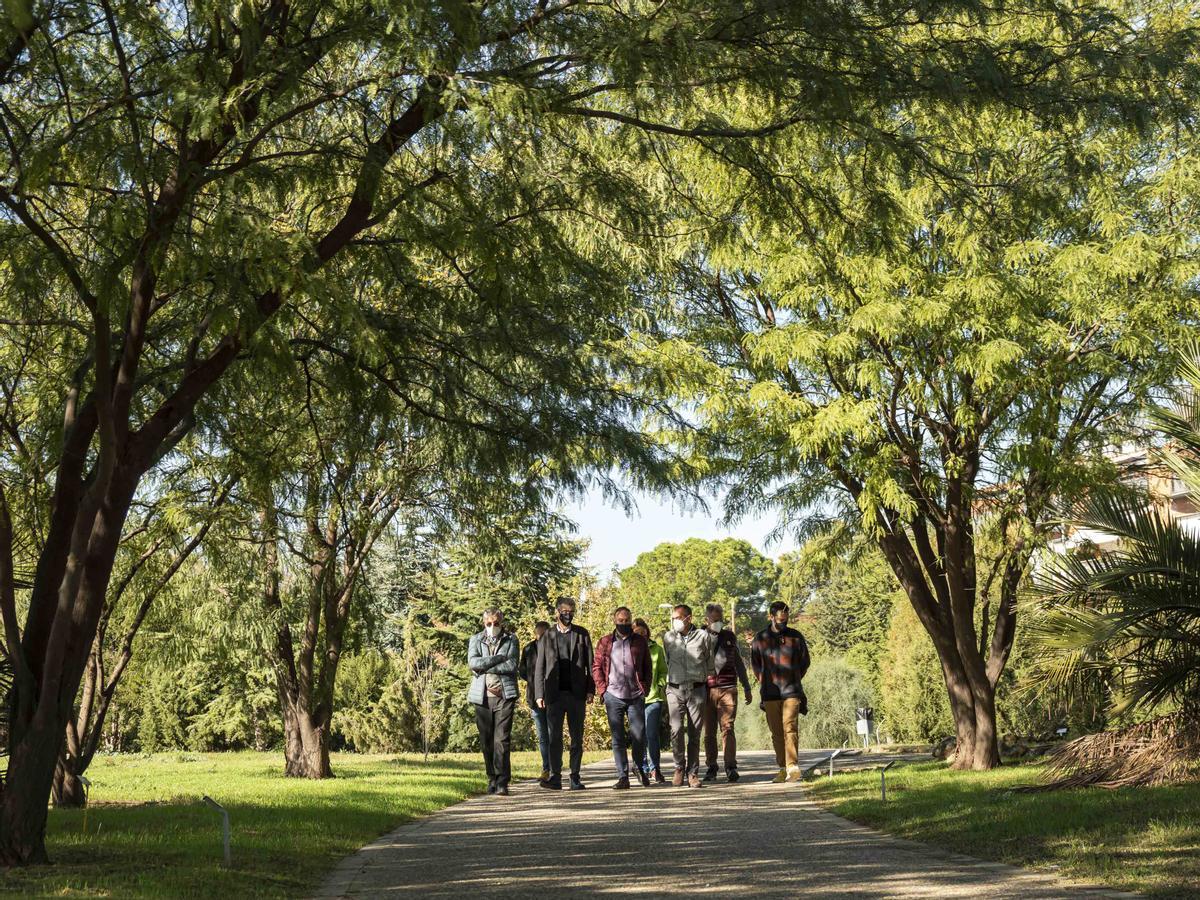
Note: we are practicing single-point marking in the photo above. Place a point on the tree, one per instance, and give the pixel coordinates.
(835, 689)
(846, 592)
(729, 571)
(1130, 617)
(152, 554)
(913, 702)
(932, 353)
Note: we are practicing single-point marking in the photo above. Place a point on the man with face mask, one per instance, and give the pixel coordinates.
(690, 662)
(563, 686)
(622, 673)
(721, 696)
(492, 658)
(780, 659)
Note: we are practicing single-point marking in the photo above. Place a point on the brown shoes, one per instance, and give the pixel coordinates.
(677, 778)
(694, 781)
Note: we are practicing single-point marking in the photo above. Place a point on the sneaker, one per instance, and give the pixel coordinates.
(793, 773)
(780, 778)
(491, 787)
(694, 781)
(576, 785)
(622, 783)
(551, 784)
(677, 778)
(545, 775)
(658, 777)
(644, 778)
(710, 774)
(732, 775)
(502, 790)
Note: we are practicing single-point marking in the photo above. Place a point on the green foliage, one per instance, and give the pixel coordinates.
(846, 595)
(1129, 618)
(835, 688)
(906, 332)
(913, 703)
(696, 572)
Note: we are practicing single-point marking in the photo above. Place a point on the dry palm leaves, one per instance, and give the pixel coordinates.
(1163, 750)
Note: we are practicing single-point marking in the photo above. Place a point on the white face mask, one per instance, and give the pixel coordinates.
(678, 624)
(493, 631)
(715, 627)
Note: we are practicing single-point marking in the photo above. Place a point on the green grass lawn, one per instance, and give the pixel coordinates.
(147, 833)
(1139, 839)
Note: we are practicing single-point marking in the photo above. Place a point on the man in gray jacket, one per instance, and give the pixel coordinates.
(492, 657)
(690, 662)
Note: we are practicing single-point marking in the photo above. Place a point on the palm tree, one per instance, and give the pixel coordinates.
(1130, 617)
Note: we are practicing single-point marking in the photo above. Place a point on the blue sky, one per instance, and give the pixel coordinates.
(617, 539)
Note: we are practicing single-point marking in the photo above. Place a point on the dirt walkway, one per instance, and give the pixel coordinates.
(751, 839)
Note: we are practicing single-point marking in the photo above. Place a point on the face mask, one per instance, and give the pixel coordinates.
(493, 631)
(566, 617)
(624, 629)
(678, 624)
(715, 627)
(781, 624)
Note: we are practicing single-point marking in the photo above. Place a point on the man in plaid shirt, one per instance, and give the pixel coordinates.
(780, 659)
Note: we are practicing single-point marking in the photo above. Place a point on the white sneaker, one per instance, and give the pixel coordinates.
(793, 773)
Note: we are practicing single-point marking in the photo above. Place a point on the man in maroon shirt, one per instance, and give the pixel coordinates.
(621, 671)
(721, 699)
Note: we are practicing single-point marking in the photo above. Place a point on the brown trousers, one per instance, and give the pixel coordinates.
(720, 708)
(781, 717)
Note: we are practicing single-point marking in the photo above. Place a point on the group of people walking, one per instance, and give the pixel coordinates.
(695, 671)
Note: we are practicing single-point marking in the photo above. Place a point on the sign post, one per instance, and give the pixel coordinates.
(866, 715)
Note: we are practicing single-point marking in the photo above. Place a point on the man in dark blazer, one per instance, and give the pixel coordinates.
(563, 686)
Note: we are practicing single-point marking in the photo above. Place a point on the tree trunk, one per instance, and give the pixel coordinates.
(306, 744)
(26, 789)
(962, 708)
(67, 790)
(987, 747)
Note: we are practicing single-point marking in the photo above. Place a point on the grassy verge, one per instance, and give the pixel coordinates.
(147, 833)
(1139, 839)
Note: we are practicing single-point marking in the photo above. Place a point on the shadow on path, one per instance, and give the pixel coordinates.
(750, 839)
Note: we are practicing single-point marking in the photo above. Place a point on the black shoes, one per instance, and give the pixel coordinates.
(491, 787)
(658, 777)
(710, 774)
(622, 784)
(502, 790)
(576, 785)
(732, 775)
(551, 784)
(643, 778)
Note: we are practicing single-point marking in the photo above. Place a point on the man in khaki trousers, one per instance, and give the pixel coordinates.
(780, 660)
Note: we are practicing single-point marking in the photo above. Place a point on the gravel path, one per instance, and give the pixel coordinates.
(750, 839)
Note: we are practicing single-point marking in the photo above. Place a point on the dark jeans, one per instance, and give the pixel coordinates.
(653, 758)
(542, 723)
(570, 708)
(618, 709)
(685, 703)
(494, 718)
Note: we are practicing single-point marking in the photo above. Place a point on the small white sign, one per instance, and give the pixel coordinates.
(864, 726)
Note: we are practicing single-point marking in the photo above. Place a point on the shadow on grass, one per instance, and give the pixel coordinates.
(1144, 839)
(286, 833)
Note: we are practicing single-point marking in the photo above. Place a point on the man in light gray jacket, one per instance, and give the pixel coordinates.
(690, 662)
(492, 657)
